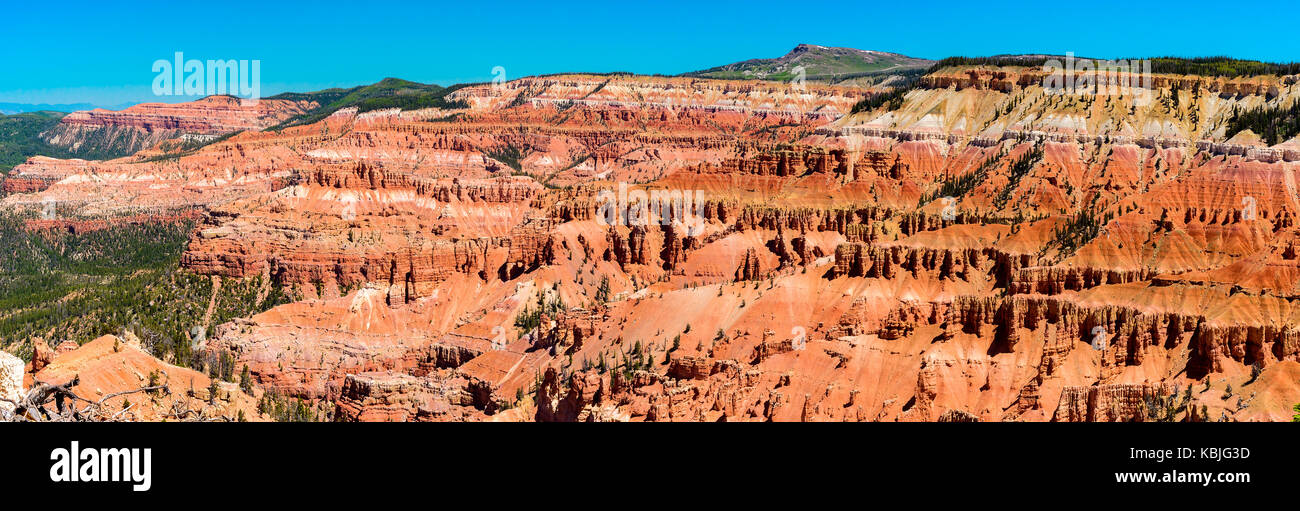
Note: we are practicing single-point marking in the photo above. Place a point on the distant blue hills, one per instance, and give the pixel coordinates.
(17, 108)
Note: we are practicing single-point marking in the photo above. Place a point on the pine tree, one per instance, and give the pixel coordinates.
(245, 380)
(212, 391)
(602, 291)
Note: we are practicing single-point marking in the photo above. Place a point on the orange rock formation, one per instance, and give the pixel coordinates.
(987, 252)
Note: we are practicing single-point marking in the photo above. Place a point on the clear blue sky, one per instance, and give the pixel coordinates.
(97, 52)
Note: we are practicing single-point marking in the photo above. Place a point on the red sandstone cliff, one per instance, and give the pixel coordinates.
(953, 263)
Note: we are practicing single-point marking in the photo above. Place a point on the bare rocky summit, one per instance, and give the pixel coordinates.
(844, 66)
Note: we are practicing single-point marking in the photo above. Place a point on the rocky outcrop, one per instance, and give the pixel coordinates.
(887, 261)
(958, 416)
(1128, 331)
(580, 401)
(1050, 280)
(39, 172)
(11, 382)
(397, 397)
(1107, 403)
(690, 368)
(749, 267)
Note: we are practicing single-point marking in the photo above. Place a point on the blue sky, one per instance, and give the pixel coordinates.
(84, 51)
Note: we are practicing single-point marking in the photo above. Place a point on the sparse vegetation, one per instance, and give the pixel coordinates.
(1019, 169)
(1162, 408)
(510, 154)
(64, 286)
(1273, 123)
(1199, 66)
(175, 149)
(245, 380)
(1221, 66)
(1077, 231)
(892, 100)
(602, 291)
(531, 317)
(286, 409)
(1256, 369)
(958, 186)
(387, 93)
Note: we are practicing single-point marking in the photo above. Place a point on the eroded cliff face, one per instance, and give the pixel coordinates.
(143, 126)
(986, 252)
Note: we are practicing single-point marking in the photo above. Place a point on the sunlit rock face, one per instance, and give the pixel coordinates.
(11, 381)
(985, 251)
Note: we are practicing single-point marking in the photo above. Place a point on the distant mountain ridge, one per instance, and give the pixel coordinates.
(821, 64)
(31, 130)
(19, 108)
(386, 93)
(98, 133)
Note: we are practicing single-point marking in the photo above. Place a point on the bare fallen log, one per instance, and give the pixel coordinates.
(34, 407)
